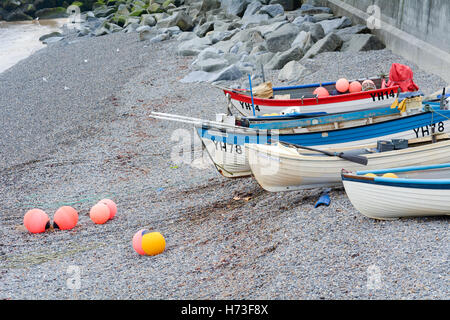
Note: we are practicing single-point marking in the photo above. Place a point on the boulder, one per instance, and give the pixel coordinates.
(252, 8)
(51, 13)
(234, 7)
(194, 46)
(103, 11)
(281, 39)
(148, 20)
(228, 74)
(197, 76)
(303, 40)
(184, 36)
(279, 60)
(331, 42)
(210, 65)
(217, 36)
(363, 42)
(315, 29)
(322, 16)
(302, 19)
(292, 71)
(347, 33)
(263, 57)
(310, 9)
(288, 5)
(180, 19)
(160, 37)
(272, 10)
(208, 5)
(49, 35)
(266, 29)
(52, 40)
(331, 25)
(255, 20)
(204, 29)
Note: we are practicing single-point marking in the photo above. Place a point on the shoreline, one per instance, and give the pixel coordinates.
(95, 139)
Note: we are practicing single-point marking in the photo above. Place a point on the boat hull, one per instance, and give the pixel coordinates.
(277, 168)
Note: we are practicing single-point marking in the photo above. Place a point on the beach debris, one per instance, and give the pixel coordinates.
(111, 206)
(65, 218)
(99, 213)
(324, 199)
(36, 221)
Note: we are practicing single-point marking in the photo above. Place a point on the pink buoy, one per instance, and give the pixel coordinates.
(321, 92)
(111, 205)
(36, 221)
(99, 213)
(342, 85)
(65, 218)
(137, 241)
(355, 86)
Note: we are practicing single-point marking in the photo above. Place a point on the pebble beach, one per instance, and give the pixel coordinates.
(75, 128)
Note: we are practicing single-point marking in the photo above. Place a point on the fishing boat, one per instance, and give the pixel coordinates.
(301, 99)
(400, 192)
(279, 167)
(224, 141)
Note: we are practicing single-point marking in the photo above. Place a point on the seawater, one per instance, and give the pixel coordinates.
(20, 39)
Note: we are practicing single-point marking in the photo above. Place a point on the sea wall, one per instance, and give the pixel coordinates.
(415, 29)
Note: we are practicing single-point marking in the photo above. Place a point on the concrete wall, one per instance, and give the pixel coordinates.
(418, 30)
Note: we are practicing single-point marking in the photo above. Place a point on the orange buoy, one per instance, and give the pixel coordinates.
(153, 243)
(321, 92)
(36, 221)
(390, 175)
(137, 241)
(99, 213)
(355, 86)
(111, 206)
(65, 218)
(368, 85)
(342, 85)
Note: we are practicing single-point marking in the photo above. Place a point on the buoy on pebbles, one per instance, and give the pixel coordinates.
(342, 85)
(65, 218)
(99, 213)
(36, 221)
(137, 241)
(111, 206)
(321, 92)
(355, 86)
(153, 243)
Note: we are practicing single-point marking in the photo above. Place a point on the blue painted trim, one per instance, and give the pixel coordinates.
(312, 85)
(405, 169)
(434, 184)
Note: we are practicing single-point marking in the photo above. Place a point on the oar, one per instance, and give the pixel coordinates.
(357, 159)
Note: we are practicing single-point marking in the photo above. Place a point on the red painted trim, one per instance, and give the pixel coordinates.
(310, 101)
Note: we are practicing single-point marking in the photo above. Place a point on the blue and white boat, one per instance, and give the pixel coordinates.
(225, 146)
(400, 192)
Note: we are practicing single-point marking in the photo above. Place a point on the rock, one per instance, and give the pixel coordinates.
(260, 47)
(266, 29)
(310, 9)
(252, 8)
(208, 5)
(205, 28)
(172, 31)
(363, 42)
(184, 36)
(346, 33)
(148, 20)
(146, 33)
(51, 13)
(217, 36)
(331, 42)
(103, 11)
(180, 19)
(255, 20)
(101, 31)
(315, 29)
(303, 40)
(160, 37)
(331, 25)
(228, 74)
(292, 71)
(263, 58)
(288, 5)
(52, 40)
(132, 20)
(49, 35)
(209, 53)
(193, 47)
(210, 65)
(272, 10)
(302, 19)
(322, 16)
(281, 39)
(234, 7)
(224, 46)
(281, 58)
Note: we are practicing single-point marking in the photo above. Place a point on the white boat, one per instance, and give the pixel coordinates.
(226, 146)
(280, 168)
(409, 192)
